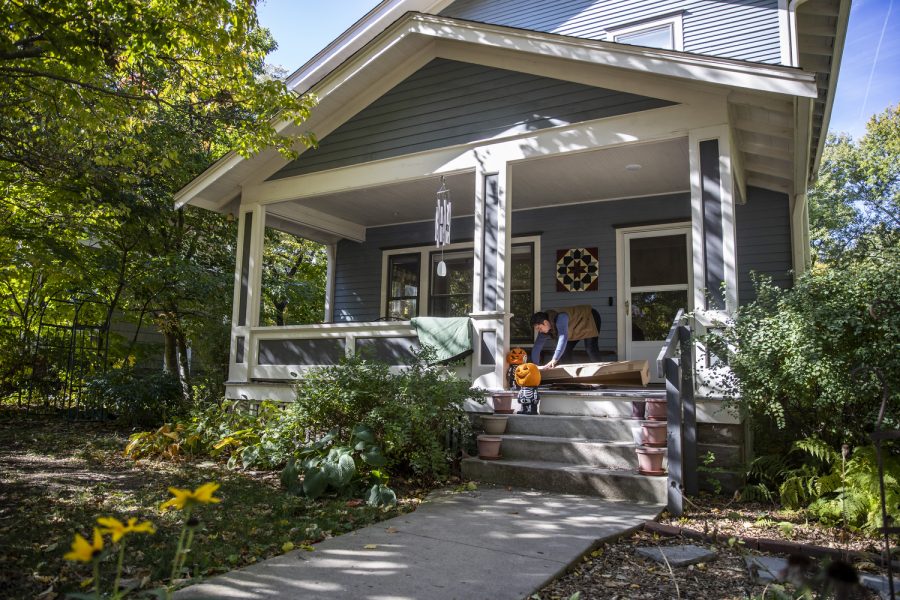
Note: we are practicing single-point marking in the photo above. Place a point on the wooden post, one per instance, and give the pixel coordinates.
(673, 437)
(689, 449)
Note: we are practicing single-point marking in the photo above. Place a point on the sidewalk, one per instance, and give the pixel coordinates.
(492, 543)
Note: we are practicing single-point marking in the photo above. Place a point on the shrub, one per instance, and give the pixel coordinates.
(411, 411)
(138, 398)
(792, 353)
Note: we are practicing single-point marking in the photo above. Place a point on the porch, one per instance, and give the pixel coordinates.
(631, 204)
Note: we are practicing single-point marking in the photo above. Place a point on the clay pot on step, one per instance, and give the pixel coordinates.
(494, 424)
(489, 447)
(650, 461)
(637, 409)
(502, 402)
(655, 409)
(653, 434)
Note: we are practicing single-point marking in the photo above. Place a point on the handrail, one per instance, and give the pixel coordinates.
(669, 348)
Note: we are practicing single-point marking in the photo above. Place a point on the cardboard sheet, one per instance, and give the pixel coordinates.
(623, 372)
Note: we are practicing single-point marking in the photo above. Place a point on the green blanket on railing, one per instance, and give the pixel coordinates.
(450, 337)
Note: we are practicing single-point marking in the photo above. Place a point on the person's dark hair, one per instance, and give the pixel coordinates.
(538, 318)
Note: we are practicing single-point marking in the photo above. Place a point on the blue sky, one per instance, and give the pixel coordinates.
(869, 81)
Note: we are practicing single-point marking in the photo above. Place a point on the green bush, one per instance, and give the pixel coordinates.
(411, 411)
(137, 398)
(793, 353)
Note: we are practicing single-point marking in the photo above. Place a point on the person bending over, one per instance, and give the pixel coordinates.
(567, 326)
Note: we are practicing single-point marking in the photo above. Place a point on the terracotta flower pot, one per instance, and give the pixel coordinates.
(656, 409)
(489, 447)
(650, 461)
(653, 434)
(494, 424)
(637, 409)
(503, 402)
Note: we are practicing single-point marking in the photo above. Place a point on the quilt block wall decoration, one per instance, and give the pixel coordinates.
(577, 270)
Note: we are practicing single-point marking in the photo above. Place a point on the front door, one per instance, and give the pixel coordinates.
(655, 283)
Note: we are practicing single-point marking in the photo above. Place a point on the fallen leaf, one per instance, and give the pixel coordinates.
(370, 546)
(306, 547)
(391, 530)
(287, 546)
(354, 503)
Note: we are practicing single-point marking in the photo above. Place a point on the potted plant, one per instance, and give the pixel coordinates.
(502, 402)
(494, 424)
(656, 409)
(637, 409)
(650, 461)
(653, 434)
(489, 447)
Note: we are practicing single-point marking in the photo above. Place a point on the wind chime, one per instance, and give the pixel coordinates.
(442, 214)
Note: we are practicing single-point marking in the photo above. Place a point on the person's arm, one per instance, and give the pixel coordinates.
(538, 346)
(562, 329)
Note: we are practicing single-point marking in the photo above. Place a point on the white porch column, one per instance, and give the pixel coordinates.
(800, 233)
(713, 220)
(492, 249)
(331, 256)
(247, 288)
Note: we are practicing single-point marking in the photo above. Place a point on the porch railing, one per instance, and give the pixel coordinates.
(286, 353)
(675, 365)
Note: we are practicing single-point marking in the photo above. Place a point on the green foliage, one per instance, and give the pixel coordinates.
(856, 200)
(137, 398)
(328, 466)
(833, 490)
(792, 354)
(293, 280)
(410, 411)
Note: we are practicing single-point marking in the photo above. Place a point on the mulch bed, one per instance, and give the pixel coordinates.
(735, 530)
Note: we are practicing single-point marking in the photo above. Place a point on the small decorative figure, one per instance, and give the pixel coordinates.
(528, 378)
(515, 357)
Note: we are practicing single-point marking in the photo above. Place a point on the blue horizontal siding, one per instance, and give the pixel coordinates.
(741, 29)
(763, 241)
(449, 102)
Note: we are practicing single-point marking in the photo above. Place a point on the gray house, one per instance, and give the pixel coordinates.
(667, 145)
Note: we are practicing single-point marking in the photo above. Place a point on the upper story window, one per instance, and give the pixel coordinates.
(667, 33)
(410, 271)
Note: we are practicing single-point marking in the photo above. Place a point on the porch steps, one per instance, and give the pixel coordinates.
(576, 451)
(581, 443)
(613, 484)
(615, 404)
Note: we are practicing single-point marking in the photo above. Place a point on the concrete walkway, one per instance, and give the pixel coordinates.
(492, 543)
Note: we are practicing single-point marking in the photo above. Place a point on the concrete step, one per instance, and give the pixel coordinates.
(573, 426)
(614, 484)
(578, 451)
(601, 403)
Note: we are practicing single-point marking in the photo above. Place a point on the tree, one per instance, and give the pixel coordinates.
(855, 203)
(76, 75)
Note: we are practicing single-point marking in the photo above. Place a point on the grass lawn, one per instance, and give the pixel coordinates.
(57, 478)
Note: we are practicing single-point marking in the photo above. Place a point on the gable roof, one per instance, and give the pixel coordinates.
(358, 66)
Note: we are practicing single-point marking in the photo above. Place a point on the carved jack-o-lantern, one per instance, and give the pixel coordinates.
(517, 356)
(528, 375)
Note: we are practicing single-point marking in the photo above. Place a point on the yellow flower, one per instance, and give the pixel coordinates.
(118, 529)
(202, 495)
(82, 550)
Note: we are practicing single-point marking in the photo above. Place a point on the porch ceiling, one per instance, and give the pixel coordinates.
(595, 175)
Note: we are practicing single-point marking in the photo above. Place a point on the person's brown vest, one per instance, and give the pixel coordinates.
(581, 322)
